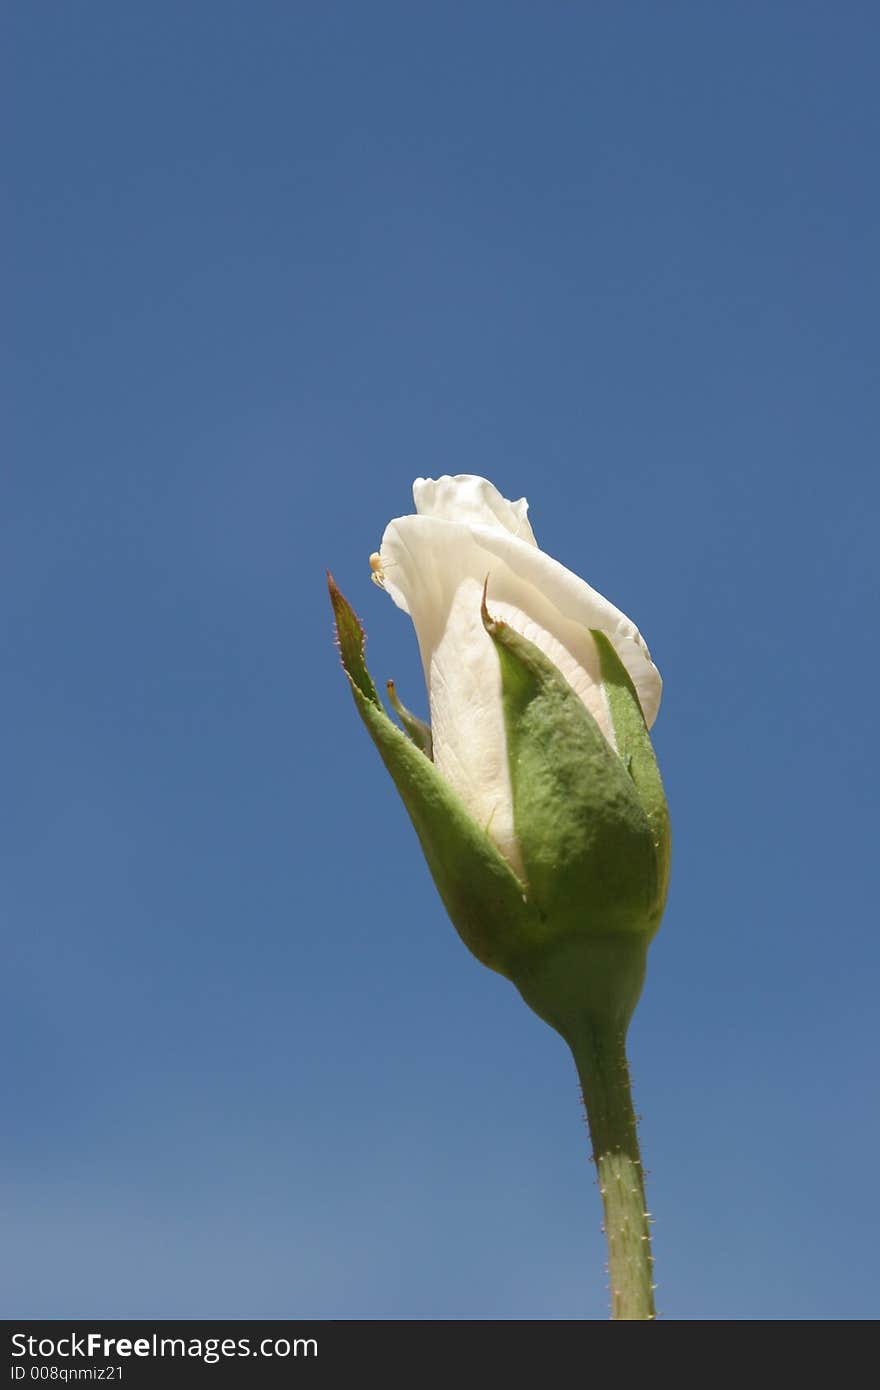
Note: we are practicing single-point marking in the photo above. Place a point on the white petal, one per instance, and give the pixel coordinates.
(473, 502)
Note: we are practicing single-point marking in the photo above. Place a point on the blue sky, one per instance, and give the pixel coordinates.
(268, 264)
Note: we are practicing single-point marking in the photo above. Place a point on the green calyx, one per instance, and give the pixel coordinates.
(591, 824)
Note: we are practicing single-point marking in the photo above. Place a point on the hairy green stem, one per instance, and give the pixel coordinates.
(600, 1055)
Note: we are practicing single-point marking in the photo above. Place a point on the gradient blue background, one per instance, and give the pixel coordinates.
(268, 263)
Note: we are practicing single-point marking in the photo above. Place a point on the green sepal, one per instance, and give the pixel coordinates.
(351, 640)
(583, 833)
(416, 728)
(586, 844)
(637, 752)
(480, 891)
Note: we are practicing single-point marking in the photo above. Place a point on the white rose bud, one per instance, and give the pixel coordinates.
(542, 814)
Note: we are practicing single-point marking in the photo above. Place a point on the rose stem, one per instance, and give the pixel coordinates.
(600, 1056)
